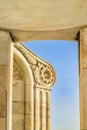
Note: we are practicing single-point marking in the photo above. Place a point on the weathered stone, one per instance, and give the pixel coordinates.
(42, 16)
(29, 121)
(83, 79)
(83, 49)
(83, 41)
(18, 122)
(18, 108)
(6, 58)
(3, 103)
(28, 108)
(18, 90)
(83, 85)
(5, 41)
(3, 77)
(2, 124)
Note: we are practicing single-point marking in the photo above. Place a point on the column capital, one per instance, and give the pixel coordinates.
(43, 72)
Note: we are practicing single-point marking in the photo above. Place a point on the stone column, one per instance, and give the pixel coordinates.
(6, 55)
(38, 83)
(37, 110)
(45, 109)
(48, 110)
(83, 79)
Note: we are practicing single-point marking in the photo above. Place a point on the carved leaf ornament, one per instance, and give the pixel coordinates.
(44, 74)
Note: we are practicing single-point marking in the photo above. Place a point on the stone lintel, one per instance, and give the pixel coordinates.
(55, 34)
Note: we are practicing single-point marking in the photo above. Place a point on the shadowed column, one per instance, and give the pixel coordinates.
(83, 79)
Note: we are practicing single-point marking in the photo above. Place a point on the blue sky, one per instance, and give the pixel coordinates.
(63, 56)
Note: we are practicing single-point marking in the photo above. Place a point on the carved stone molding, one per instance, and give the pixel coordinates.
(44, 75)
(23, 93)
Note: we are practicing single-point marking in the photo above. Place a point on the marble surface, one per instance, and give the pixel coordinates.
(42, 14)
(43, 19)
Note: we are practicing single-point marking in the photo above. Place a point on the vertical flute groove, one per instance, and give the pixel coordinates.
(40, 110)
(46, 111)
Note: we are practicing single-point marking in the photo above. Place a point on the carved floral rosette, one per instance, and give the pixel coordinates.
(43, 73)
